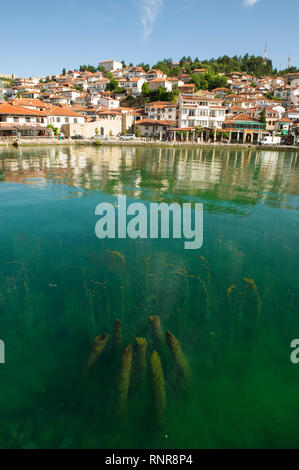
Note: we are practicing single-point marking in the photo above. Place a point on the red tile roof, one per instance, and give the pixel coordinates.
(60, 111)
(6, 108)
(29, 102)
(154, 122)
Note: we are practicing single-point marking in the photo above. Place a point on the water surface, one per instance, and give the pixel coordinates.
(232, 304)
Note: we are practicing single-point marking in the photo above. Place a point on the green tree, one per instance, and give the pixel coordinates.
(263, 117)
(54, 129)
(145, 89)
(112, 85)
(63, 71)
(110, 76)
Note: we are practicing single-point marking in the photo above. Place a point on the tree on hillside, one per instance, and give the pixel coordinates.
(112, 85)
(263, 118)
(208, 81)
(145, 89)
(63, 71)
(145, 67)
(161, 94)
(110, 76)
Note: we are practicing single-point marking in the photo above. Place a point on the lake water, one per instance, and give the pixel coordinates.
(232, 305)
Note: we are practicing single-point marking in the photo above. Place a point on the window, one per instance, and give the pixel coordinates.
(15, 119)
(67, 120)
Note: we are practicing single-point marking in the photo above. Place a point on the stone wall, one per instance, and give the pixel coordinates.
(105, 128)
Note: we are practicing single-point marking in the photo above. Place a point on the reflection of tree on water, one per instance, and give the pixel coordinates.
(234, 177)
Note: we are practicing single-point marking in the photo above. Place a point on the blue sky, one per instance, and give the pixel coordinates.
(40, 38)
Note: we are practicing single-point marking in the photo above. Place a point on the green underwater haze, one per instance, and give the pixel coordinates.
(232, 305)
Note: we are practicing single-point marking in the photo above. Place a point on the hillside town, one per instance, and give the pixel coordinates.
(127, 102)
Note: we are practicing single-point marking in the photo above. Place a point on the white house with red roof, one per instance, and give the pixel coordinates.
(134, 85)
(200, 111)
(108, 102)
(98, 85)
(161, 111)
(21, 115)
(293, 114)
(159, 82)
(59, 115)
(110, 65)
(155, 73)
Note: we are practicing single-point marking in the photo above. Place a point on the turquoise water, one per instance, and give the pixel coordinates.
(232, 305)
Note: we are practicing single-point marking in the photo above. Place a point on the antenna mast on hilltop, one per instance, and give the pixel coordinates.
(289, 62)
(266, 53)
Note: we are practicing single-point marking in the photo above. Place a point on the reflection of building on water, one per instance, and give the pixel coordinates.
(133, 170)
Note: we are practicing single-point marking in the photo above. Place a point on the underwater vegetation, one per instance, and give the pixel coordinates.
(133, 366)
(96, 350)
(159, 393)
(124, 378)
(179, 358)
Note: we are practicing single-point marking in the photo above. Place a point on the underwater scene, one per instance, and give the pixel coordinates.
(140, 343)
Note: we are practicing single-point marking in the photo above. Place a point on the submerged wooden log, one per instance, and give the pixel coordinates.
(158, 382)
(140, 349)
(116, 340)
(96, 350)
(179, 358)
(156, 329)
(123, 382)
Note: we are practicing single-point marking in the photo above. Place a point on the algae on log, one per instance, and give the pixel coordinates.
(139, 361)
(116, 340)
(158, 383)
(156, 329)
(96, 350)
(124, 378)
(179, 358)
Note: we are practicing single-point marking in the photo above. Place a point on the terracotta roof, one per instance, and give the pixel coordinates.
(6, 108)
(156, 80)
(29, 102)
(241, 117)
(60, 111)
(154, 122)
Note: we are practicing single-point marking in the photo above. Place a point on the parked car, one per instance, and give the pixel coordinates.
(77, 137)
(270, 140)
(128, 137)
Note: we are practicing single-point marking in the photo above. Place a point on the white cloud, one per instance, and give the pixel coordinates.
(150, 11)
(250, 3)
